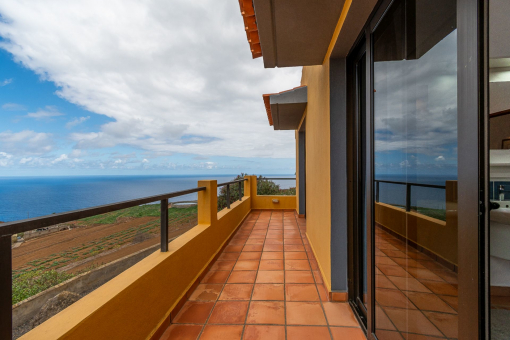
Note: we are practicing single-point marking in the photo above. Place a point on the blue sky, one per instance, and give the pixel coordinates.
(155, 89)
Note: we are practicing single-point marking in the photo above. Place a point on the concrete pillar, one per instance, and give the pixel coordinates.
(250, 186)
(208, 202)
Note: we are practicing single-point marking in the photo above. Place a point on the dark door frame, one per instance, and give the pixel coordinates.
(472, 166)
(354, 174)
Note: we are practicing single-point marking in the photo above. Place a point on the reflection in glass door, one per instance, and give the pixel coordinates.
(415, 170)
(499, 145)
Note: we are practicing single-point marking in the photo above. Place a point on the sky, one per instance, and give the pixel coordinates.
(415, 113)
(125, 87)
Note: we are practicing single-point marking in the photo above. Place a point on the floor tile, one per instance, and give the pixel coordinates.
(221, 332)
(298, 276)
(229, 312)
(392, 298)
(411, 321)
(242, 276)
(389, 335)
(182, 332)
(424, 274)
(382, 321)
(216, 277)
(246, 265)
(307, 333)
(295, 255)
(272, 255)
(340, 314)
(453, 301)
(272, 247)
(271, 276)
(381, 281)
(253, 247)
(233, 249)
(268, 291)
(297, 265)
(440, 288)
(293, 247)
(236, 292)
(266, 312)
(228, 257)
(393, 271)
(206, 292)
(408, 284)
(305, 313)
(271, 265)
(447, 323)
(347, 333)
(301, 292)
(250, 255)
(293, 241)
(194, 312)
(429, 302)
(223, 265)
(256, 332)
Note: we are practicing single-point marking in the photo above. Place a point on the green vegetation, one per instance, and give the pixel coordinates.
(41, 274)
(264, 187)
(31, 283)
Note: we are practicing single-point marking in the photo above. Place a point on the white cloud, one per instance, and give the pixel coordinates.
(25, 160)
(26, 142)
(145, 160)
(440, 158)
(46, 113)
(5, 159)
(62, 157)
(161, 70)
(13, 107)
(5, 82)
(77, 121)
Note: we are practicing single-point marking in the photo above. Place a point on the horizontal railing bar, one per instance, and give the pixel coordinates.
(412, 184)
(277, 179)
(11, 228)
(233, 182)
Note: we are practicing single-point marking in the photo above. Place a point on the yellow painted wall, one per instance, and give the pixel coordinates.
(266, 202)
(318, 180)
(135, 303)
(296, 135)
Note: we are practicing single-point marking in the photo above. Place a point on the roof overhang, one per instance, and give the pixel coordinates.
(285, 109)
(297, 32)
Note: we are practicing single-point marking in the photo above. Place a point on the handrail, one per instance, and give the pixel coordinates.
(239, 181)
(278, 179)
(11, 228)
(408, 189)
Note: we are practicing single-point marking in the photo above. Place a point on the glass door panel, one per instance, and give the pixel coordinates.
(415, 170)
(499, 154)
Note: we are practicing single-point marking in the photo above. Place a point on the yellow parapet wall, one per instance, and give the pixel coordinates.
(269, 202)
(134, 304)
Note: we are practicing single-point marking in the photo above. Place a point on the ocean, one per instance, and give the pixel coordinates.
(24, 197)
(432, 198)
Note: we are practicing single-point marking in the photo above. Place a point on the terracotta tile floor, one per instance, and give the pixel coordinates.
(416, 297)
(265, 285)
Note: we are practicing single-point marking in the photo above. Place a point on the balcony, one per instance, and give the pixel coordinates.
(246, 271)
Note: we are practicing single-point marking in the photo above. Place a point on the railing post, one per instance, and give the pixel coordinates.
(408, 197)
(208, 202)
(164, 225)
(377, 191)
(240, 191)
(228, 196)
(5, 287)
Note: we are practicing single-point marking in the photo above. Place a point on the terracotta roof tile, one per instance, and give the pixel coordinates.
(250, 26)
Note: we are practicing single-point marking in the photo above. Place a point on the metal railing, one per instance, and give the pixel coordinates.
(278, 179)
(227, 184)
(11, 228)
(408, 189)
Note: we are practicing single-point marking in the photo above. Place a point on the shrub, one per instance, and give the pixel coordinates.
(264, 187)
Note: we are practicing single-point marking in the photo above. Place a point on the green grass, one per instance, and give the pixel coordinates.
(31, 283)
(39, 275)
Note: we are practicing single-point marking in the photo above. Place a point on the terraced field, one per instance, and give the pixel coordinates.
(92, 242)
